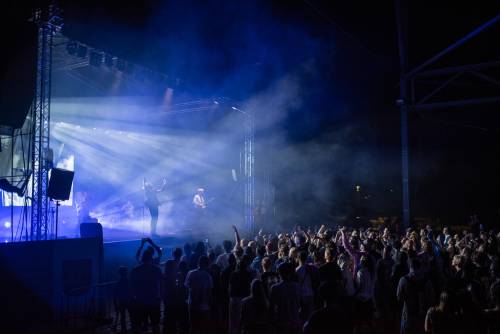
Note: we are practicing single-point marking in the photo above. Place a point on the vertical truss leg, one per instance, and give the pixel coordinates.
(47, 22)
(249, 172)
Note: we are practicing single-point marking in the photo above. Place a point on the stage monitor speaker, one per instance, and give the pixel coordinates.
(60, 184)
(91, 230)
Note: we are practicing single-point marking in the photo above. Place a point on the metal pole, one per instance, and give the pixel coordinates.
(57, 218)
(401, 16)
(457, 103)
(12, 193)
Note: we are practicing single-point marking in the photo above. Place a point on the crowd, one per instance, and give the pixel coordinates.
(319, 281)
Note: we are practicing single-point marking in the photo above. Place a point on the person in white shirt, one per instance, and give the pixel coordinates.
(222, 260)
(199, 284)
(199, 199)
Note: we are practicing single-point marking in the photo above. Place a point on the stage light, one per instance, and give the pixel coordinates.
(7, 224)
(358, 188)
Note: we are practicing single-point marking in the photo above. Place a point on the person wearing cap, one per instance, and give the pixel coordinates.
(199, 199)
(199, 204)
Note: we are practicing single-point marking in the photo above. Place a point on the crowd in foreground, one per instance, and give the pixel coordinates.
(325, 281)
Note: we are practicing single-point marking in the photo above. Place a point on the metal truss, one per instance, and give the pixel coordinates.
(48, 22)
(411, 80)
(249, 155)
(455, 77)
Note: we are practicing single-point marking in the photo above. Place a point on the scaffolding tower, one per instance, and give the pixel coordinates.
(48, 22)
(408, 100)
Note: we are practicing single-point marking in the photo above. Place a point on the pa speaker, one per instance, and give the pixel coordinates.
(60, 184)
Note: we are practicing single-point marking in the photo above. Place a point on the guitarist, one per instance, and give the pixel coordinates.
(200, 206)
(152, 202)
(199, 199)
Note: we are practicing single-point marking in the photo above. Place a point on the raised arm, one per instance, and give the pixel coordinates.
(155, 246)
(163, 186)
(139, 250)
(347, 245)
(236, 235)
(321, 230)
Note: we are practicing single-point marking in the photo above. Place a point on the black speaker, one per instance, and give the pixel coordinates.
(60, 184)
(91, 230)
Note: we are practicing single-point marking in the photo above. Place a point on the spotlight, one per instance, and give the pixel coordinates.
(95, 58)
(7, 224)
(82, 51)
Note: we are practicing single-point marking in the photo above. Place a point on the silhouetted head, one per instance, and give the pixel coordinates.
(266, 264)
(203, 262)
(286, 270)
(257, 289)
(228, 245)
(200, 248)
(177, 254)
(147, 257)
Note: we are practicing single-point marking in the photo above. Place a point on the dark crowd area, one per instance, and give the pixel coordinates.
(329, 280)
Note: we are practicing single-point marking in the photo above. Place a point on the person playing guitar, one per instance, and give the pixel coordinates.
(199, 199)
